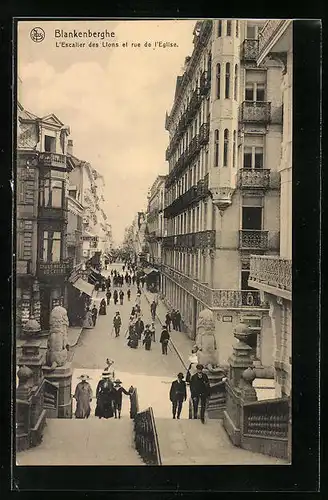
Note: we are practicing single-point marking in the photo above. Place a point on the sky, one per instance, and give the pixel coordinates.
(113, 98)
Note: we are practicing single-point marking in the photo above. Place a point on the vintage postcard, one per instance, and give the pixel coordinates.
(154, 242)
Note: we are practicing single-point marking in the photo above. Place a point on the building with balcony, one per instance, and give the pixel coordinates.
(156, 220)
(42, 180)
(272, 275)
(222, 189)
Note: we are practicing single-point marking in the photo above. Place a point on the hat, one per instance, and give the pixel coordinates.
(118, 381)
(106, 374)
(180, 375)
(199, 367)
(84, 377)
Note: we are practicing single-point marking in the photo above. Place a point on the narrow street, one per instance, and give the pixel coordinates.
(149, 371)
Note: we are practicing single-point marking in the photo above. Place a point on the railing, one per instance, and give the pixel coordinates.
(134, 403)
(271, 270)
(266, 427)
(255, 112)
(146, 440)
(253, 178)
(205, 83)
(52, 213)
(204, 133)
(211, 297)
(253, 239)
(201, 239)
(53, 159)
(193, 105)
(23, 267)
(250, 50)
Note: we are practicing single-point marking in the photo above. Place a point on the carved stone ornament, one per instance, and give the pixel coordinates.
(57, 341)
(31, 327)
(222, 197)
(280, 57)
(25, 376)
(205, 339)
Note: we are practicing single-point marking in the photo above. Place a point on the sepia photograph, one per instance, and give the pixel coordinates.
(153, 242)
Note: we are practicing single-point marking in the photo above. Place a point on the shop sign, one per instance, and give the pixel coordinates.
(53, 268)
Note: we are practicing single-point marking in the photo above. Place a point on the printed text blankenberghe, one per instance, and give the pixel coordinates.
(84, 34)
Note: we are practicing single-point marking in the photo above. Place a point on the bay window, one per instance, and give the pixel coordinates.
(51, 246)
(52, 190)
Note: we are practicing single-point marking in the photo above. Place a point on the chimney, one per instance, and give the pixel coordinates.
(70, 147)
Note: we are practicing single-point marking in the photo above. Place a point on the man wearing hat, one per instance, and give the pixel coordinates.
(200, 391)
(83, 396)
(118, 390)
(178, 394)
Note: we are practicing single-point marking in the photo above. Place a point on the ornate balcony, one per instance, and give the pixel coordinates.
(255, 112)
(250, 50)
(253, 178)
(52, 160)
(52, 213)
(23, 267)
(271, 32)
(181, 203)
(205, 83)
(253, 239)
(193, 105)
(215, 298)
(204, 134)
(272, 271)
(194, 147)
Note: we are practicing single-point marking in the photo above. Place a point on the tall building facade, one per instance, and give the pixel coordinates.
(42, 266)
(273, 275)
(222, 190)
(155, 220)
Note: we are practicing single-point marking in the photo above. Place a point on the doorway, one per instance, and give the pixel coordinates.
(45, 308)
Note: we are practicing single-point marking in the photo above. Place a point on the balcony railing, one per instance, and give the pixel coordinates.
(52, 159)
(205, 83)
(253, 178)
(146, 440)
(194, 194)
(201, 239)
(271, 270)
(214, 298)
(23, 267)
(268, 32)
(255, 112)
(193, 105)
(251, 239)
(250, 50)
(52, 213)
(204, 133)
(51, 269)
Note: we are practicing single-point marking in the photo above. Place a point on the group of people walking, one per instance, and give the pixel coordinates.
(173, 320)
(109, 395)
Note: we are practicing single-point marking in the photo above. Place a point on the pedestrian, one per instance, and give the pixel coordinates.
(133, 279)
(117, 322)
(200, 391)
(121, 297)
(178, 320)
(109, 369)
(138, 291)
(147, 338)
(83, 396)
(123, 268)
(178, 394)
(164, 340)
(138, 282)
(105, 397)
(139, 327)
(103, 286)
(142, 281)
(118, 391)
(128, 293)
(173, 319)
(152, 329)
(153, 307)
(94, 312)
(133, 311)
(168, 321)
(108, 296)
(138, 300)
(88, 321)
(111, 273)
(133, 339)
(108, 283)
(115, 296)
(102, 308)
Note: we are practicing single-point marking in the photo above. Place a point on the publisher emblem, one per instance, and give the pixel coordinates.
(37, 35)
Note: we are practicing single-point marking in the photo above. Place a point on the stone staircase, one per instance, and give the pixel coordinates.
(189, 442)
(90, 441)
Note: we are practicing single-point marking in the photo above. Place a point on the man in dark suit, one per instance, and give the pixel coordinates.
(178, 394)
(200, 391)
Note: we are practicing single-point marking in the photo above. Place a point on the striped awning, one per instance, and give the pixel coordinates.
(84, 286)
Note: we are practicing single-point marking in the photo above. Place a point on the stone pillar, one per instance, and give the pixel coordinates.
(240, 359)
(33, 359)
(62, 377)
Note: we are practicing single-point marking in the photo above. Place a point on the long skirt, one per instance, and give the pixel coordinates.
(133, 343)
(102, 310)
(104, 406)
(147, 345)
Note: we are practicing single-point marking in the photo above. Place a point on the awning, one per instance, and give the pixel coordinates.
(84, 286)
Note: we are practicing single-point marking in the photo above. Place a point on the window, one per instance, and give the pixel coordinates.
(253, 157)
(51, 193)
(255, 92)
(234, 150)
(249, 93)
(236, 82)
(49, 144)
(218, 80)
(219, 28)
(51, 246)
(216, 148)
(260, 92)
(227, 81)
(251, 32)
(258, 158)
(225, 147)
(252, 218)
(228, 28)
(237, 28)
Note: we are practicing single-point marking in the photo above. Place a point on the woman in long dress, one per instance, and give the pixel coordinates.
(102, 308)
(83, 396)
(88, 320)
(105, 397)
